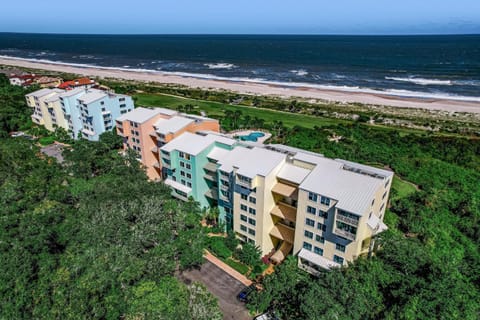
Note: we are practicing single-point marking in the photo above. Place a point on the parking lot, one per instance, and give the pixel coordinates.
(54, 150)
(222, 286)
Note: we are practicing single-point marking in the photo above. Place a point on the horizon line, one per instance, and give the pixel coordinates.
(248, 34)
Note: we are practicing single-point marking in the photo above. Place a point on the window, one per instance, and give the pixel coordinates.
(319, 238)
(311, 210)
(321, 226)
(243, 217)
(123, 111)
(243, 228)
(252, 221)
(373, 202)
(323, 214)
(188, 166)
(338, 259)
(189, 184)
(243, 207)
(312, 197)
(310, 222)
(189, 176)
(182, 173)
(252, 211)
(383, 205)
(181, 155)
(325, 201)
(318, 251)
(183, 182)
(251, 231)
(340, 247)
(182, 164)
(307, 246)
(386, 183)
(253, 200)
(308, 234)
(139, 149)
(187, 156)
(102, 103)
(243, 196)
(384, 195)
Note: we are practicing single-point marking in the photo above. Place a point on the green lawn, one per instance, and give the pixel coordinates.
(216, 109)
(403, 188)
(240, 267)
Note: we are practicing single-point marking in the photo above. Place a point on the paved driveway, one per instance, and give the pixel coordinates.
(221, 285)
(54, 150)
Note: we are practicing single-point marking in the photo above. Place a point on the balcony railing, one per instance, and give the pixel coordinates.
(244, 184)
(210, 176)
(344, 234)
(350, 221)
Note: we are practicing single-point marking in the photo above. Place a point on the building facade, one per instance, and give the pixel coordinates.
(85, 113)
(147, 130)
(282, 199)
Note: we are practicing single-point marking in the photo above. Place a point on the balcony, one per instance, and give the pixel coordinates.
(286, 190)
(211, 177)
(244, 184)
(224, 198)
(283, 232)
(153, 135)
(284, 211)
(212, 194)
(344, 234)
(224, 187)
(157, 165)
(210, 166)
(154, 149)
(347, 220)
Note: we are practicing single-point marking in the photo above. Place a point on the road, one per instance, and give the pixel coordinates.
(222, 286)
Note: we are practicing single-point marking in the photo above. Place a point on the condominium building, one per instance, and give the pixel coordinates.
(146, 130)
(91, 112)
(47, 110)
(83, 112)
(282, 199)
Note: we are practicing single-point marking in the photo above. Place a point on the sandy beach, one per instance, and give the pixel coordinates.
(256, 88)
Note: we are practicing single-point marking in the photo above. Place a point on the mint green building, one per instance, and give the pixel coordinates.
(190, 162)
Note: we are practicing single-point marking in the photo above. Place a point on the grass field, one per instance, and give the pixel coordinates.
(216, 109)
(403, 188)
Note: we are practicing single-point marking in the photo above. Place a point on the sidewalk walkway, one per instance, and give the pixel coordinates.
(225, 267)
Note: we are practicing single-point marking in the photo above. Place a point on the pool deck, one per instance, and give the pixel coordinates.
(260, 140)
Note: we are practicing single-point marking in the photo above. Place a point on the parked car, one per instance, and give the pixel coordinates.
(243, 295)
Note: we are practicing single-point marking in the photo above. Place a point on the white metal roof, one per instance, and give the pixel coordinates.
(139, 115)
(73, 92)
(40, 93)
(54, 97)
(293, 173)
(251, 162)
(189, 143)
(354, 192)
(317, 259)
(92, 95)
(218, 153)
(172, 125)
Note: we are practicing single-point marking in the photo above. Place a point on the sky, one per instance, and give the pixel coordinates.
(242, 16)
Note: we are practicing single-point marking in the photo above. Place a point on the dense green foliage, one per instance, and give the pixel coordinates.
(429, 264)
(93, 238)
(14, 112)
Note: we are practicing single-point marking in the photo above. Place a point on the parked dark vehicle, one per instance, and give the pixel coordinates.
(243, 295)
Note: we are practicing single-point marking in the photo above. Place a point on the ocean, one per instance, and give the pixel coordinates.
(420, 66)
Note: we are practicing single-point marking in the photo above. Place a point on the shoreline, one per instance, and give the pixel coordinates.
(255, 88)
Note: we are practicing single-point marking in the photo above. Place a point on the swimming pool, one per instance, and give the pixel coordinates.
(252, 136)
